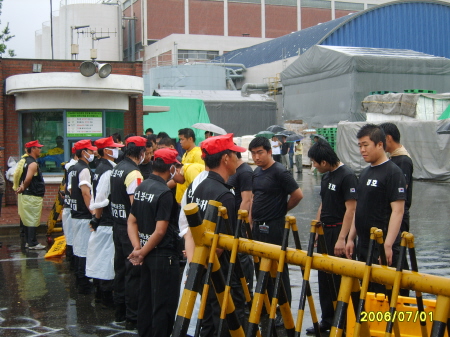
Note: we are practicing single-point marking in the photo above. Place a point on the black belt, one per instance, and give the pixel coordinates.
(328, 225)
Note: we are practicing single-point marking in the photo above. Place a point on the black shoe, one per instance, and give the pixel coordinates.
(130, 325)
(323, 327)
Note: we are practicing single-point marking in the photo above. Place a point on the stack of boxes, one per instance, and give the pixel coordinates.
(330, 134)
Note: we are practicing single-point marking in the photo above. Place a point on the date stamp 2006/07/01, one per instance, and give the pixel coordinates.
(397, 316)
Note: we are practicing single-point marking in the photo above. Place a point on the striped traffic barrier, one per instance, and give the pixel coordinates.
(234, 250)
(306, 274)
(440, 318)
(193, 282)
(396, 286)
(312, 307)
(414, 267)
(284, 305)
(365, 282)
(258, 297)
(213, 214)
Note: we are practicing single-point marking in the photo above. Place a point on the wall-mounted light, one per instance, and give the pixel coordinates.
(89, 68)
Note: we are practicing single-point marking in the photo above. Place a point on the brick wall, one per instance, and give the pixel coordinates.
(244, 19)
(9, 119)
(165, 17)
(206, 17)
(314, 16)
(280, 20)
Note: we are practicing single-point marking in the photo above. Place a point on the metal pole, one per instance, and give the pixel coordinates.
(51, 26)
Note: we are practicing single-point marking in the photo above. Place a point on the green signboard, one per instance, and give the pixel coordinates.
(84, 124)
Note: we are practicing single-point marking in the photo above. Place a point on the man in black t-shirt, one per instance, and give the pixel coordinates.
(284, 152)
(381, 198)
(400, 156)
(272, 185)
(152, 228)
(336, 212)
(242, 183)
(219, 154)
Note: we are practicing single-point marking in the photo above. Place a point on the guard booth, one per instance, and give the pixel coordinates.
(63, 107)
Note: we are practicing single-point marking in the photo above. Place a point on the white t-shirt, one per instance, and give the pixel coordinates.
(277, 149)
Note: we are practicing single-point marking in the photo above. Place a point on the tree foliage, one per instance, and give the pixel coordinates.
(5, 36)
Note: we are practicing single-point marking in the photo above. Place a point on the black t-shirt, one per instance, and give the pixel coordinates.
(378, 186)
(406, 165)
(337, 187)
(153, 202)
(284, 148)
(271, 188)
(146, 169)
(241, 181)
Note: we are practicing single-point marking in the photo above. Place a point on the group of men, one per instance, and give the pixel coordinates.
(284, 151)
(380, 198)
(125, 229)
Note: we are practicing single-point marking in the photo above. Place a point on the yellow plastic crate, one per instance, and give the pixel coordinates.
(377, 313)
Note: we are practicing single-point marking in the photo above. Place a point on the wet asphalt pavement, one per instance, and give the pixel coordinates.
(38, 297)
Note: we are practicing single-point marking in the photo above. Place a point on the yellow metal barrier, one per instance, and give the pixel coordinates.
(270, 255)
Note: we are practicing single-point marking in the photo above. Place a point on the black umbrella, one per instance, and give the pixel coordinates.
(276, 128)
(294, 138)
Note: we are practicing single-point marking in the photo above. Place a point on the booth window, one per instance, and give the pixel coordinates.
(48, 128)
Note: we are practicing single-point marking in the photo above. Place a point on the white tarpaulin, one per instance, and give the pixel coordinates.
(327, 84)
(430, 152)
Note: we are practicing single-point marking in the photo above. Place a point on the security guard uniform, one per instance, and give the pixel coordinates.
(215, 188)
(101, 246)
(81, 217)
(66, 214)
(158, 295)
(126, 280)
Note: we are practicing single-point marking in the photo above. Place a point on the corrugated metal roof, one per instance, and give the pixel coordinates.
(422, 26)
(288, 45)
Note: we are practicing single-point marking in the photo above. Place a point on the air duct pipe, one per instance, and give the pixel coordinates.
(253, 86)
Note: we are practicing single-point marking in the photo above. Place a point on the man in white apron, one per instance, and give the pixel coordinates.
(100, 254)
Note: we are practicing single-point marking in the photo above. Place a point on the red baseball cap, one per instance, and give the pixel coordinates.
(106, 142)
(137, 140)
(168, 155)
(217, 144)
(84, 144)
(33, 143)
(73, 149)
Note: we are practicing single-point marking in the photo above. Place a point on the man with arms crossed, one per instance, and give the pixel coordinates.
(336, 212)
(381, 199)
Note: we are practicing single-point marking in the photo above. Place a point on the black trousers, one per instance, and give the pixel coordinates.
(326, 296)
(273, 235)
(30, 236)
(362, 252)
(159, 292)
(127, 276)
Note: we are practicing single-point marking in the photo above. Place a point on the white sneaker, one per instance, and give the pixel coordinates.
(26, 245)
(38, 246)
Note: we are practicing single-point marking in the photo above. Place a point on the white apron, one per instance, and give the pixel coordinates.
(81, 234)
(100, 254)
(67, 226)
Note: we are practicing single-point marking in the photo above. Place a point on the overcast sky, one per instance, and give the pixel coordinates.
(25, 17)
